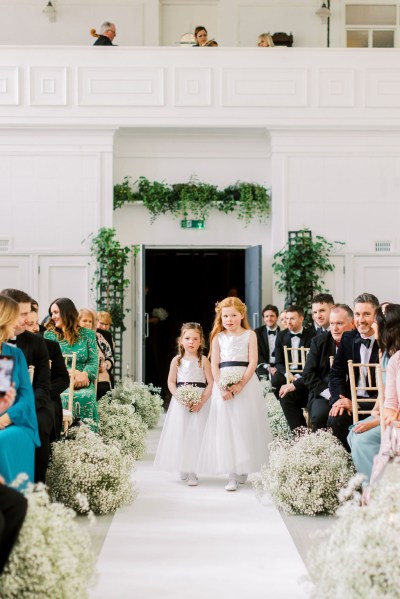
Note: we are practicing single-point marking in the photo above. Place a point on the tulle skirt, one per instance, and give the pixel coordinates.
(235, 438)
(181, 437)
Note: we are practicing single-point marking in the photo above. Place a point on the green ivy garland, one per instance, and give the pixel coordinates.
(195, 199)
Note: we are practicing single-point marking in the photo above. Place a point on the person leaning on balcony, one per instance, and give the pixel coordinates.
(107, 34)
(265, 41)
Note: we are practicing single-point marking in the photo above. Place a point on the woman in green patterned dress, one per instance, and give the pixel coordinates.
(63, 327)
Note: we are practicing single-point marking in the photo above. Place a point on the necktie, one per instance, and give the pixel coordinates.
(271, 332)
(321, 331)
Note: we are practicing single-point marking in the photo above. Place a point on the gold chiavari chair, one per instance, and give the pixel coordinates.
(70, 362)
(370, 380)
(31, 370)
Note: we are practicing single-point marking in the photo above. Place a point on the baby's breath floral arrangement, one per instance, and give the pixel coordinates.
(160, 313)
(229, 376)
(52, 556)
(305, 474)
(85, 465)
(119, 422)
(188, 395)
(276, 418)
(362, 555)
(144, 398)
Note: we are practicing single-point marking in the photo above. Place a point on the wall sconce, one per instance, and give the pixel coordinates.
(50, 11)
(325, 15)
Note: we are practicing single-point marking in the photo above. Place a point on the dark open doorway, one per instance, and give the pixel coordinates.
(186, 283)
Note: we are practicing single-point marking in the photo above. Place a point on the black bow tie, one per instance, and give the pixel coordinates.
(12, 341)
(295, 335)
(271, 332)
(366, 342)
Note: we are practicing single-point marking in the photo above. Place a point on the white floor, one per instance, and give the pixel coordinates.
(196, 543)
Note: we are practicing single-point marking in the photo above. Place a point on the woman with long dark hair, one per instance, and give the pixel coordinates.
(63, 327)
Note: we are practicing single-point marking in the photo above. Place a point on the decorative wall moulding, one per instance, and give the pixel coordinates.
(9, 86)
(382, 88)
(264, 87)
(120, 86)
(192, 87)
(48, 86)
(336, 87)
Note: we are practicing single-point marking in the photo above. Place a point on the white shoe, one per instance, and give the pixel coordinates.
(192, 480)
(232, 485)
(241, 478)
(183, 475)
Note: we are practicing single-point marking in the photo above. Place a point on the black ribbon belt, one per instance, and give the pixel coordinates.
(226, 364)
(181, 384)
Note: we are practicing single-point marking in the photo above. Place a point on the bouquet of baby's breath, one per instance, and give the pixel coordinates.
(160, 313)
(52, 556)
(85, 465)
(305, 474)
(119, 422)
(189, 395)
(144, 398)
(276, 418)
(362, 556)
(229, 377)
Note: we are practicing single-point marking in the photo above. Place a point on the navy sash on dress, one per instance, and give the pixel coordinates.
(232, 363)
(182, 384)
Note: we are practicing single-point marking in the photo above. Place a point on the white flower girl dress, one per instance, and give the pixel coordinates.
(181, 437)
(235, 438)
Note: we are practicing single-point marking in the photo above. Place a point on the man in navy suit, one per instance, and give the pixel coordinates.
(266, 337)
(361, 347)
(293, 394)
(318, 365)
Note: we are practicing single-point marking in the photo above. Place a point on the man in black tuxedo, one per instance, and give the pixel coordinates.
(360, 346)
(13, 507)
(321, 307)
(292, 394)
(59, 375)
(36, 354)
(318, 365)
(266, 337)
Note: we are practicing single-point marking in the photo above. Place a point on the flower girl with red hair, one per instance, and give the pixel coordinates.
(235, 438)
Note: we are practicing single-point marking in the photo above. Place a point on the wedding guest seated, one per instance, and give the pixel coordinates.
(36, 355)
(87, 319)
(365, 437)
(321, 306)
(13, 508)
(316, 371)
(32, 322)
(293, 394)
(63, 327)
(18, 422)
(201, 37)
(283, 320)
(359, 346)
(265, 41)
(266, 337)
(107, 34)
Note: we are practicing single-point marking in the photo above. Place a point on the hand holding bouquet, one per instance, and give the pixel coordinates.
(189, 396)
(229, 377)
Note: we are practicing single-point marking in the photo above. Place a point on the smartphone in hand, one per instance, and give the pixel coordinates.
(6, 373)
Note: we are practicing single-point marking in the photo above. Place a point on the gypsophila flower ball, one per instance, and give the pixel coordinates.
(229, 376)
(189, 395)
(160, 313)
(276, 419)
(364, 541)
(86, 465)
(120, 423)
(305, 474)
(145, 399)
(52, 557)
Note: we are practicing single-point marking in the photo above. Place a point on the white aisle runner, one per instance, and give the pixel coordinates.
(180, 542)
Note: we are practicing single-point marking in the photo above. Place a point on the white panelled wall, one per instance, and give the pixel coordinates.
(320, 127)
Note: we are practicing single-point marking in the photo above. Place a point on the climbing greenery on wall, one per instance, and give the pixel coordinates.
(195, 199)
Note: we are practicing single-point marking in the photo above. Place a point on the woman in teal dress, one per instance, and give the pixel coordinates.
(18, 423)
(63, 327)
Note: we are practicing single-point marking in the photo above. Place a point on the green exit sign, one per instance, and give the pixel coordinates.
(192, 224)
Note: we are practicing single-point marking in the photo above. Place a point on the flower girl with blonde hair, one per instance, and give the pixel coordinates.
(190, 382)
(235, 438)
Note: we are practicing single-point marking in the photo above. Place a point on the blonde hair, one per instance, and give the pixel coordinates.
(86, 312)
(191, 326)
(9, 312)
(228, 302)
(268, 38)
(106, 316)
